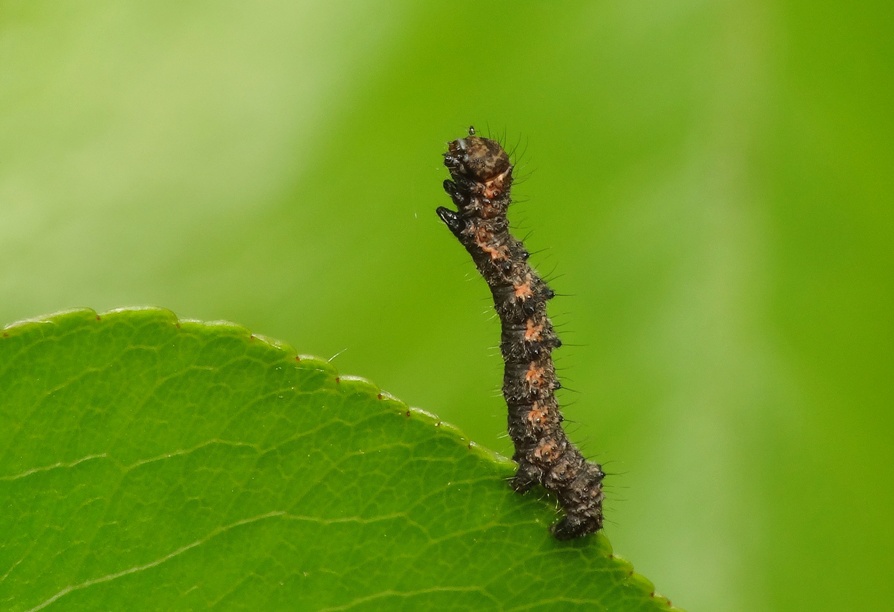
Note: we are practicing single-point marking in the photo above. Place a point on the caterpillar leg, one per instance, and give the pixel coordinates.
(525, 478)
(575, 526)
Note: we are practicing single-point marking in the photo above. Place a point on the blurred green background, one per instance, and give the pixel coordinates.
(708, 185)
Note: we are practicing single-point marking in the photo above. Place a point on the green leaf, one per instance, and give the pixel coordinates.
(182, 464)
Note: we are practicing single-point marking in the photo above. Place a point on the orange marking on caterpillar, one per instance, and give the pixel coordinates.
(546, 450)
(532, 331)
(523, 290)
(536, 415)
(534, 375)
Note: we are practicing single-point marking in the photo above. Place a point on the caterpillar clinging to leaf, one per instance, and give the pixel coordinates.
(481, 178)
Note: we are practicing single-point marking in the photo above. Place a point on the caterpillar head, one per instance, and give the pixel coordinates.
(479, 163)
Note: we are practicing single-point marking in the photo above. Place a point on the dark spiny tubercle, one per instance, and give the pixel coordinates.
(481, 178)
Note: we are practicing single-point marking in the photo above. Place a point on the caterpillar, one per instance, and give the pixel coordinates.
(479, 185)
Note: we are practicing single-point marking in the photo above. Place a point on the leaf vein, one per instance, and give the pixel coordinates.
(155, 563)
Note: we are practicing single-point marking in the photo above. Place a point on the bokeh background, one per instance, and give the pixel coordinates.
(707, 184)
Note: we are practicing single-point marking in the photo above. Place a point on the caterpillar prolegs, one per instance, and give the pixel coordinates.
(481, 178)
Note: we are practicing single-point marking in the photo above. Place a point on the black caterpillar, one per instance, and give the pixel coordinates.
(481, 179)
